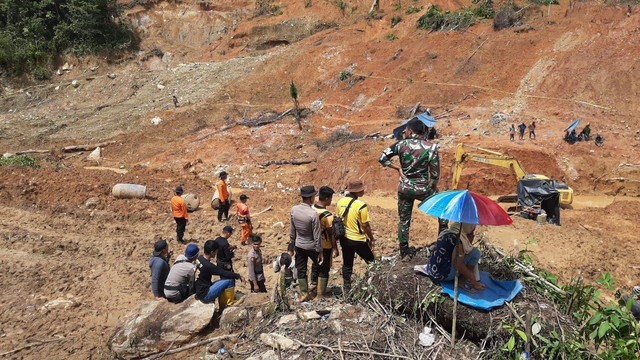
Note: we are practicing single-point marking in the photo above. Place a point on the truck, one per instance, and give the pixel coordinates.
(466, 153)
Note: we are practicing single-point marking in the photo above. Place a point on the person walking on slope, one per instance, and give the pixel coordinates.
(159, 265)
(532, 130)
(512, 132)
(179, 284)
(320, 273)
(521, 128)
(244, 219)
(419, 171)
(180, 214)
(358, 237)
(305, 232)
(223, 195)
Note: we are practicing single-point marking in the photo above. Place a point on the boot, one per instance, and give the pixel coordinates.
(227, 298)
(304, 290)
(407, 251)
(322, 287)
(313, 288)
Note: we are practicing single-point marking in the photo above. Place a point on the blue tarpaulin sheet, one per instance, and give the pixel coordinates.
(494, 295)
(573, 125)
(424, 117)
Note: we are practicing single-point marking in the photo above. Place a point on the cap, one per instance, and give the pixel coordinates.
(159, 246)
(227, 229)
(355, 186)
(308, 191)
(179, 190)
(191, 251)
(243, 197)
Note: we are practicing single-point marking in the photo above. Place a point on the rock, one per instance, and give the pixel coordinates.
(75, 83)
(59, 72)
(57, 88)
(92, 202)
(154, 325)
(345, 312)
(156, 121)
(276, 340)
(316, 105)
(232, 316)
(58, 303)
(67, 67)
(95, 154)
(287, 319)
(160, 87)
(94, 68)
(279, 224)
(309, 315)
(7, 155)
(336, 327)
(267, 355)
(111, 75)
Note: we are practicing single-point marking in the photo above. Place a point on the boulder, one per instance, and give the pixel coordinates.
(95, 154)
(156, 121)
(278, 341)
(154, 325)
(287, 319)
(92, 202)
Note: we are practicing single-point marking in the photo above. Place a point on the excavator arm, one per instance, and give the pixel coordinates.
(484, 156)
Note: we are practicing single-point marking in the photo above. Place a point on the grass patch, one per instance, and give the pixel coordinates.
(337, 138)
(392, 37)
(413, 10)
(437, 20)
(20, 161)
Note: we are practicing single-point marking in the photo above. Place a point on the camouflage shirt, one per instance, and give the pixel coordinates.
(420, 165)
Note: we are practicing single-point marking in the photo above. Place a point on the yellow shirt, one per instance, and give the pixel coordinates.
(326, 221)
(358, 215)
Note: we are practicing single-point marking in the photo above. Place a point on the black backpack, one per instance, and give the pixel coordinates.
(339, 229)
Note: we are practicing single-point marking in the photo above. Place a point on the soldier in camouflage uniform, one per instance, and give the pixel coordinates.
(419, 173)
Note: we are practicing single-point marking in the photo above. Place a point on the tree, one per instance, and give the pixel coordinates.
(293, 91)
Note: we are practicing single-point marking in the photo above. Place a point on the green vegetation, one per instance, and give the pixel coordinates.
(33, 33)
(20, 160)
(265, 7)
(344, 75)
(392, 37)
(397, 6)
(413, 10)
(436, 20)
(395, 20)
(545, 2)
(342, 5)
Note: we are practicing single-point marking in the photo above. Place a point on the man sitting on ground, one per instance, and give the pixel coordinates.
(159, 265)
(453, 253)
(208, 291)
(180, 282)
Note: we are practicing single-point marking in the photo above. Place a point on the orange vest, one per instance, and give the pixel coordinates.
(178, 207)
(223, 193)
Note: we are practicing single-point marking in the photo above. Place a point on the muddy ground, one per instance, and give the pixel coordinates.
(55, 248)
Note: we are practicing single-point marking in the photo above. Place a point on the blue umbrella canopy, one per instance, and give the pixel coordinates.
(573, 125)
(426, 119)
(465, 207)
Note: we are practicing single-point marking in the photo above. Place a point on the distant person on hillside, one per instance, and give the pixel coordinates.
(532, 130)
(207, 291)
(512, 133)
(223, 195)
(244, 219)
(432, 133)
(225, 251)
(180, 283)
(419, 170)
(521, 128)
(585, 134)
(599, 140)
(179, 213)
(254, 266)
(159, 265)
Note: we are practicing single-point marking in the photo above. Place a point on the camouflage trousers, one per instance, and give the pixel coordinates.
(405, 210)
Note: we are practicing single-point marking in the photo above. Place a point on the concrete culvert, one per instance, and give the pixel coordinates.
(192, 201)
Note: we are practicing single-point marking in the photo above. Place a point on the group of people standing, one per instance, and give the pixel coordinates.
(521, 130)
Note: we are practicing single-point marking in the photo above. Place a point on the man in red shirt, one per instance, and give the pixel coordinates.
(223, 195)
(244, 218)
(180, 215)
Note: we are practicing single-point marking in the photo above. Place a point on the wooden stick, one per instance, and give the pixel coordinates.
(455, 308)
(74, 148)
(513, 311)
(38, 343)
(190, 346)
(32, 151)
(263, 211)
(288, 162)
(527, 331)
(532, 274)
(354, 351)
(470, 56)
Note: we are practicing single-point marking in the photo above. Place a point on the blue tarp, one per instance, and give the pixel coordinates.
(426, 119)
(573, 125)
(494, 295)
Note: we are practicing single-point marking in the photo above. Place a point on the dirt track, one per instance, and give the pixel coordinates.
(53, 247)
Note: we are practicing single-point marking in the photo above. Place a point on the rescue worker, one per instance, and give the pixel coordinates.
(179, 284)
(359, 236)
(224, 251)
(419, 171)
(179, 213)
(320, 273)
(159, 265)
(532, 130)
(223, 195)
(244, 219)
(521, 128)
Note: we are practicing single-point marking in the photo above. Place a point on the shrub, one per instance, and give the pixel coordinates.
(33, 32)
(545, 2)
(395, 20)
(20, 160)
(414, 9)
(392, 37)
(508, 16)
(434, 19)
(344, 75)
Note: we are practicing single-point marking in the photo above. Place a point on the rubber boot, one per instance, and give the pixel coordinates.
(304, 290)
(346, 280)
(322, 287)
(407, 251)
(227, 298)
(313, 289)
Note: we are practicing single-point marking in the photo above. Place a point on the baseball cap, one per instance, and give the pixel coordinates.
(159, 246)
(191, 251)
(227, 229)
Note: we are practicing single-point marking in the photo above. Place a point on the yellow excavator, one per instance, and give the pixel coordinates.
(498, 159)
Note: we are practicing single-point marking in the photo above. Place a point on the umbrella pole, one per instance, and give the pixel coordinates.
(455, 307)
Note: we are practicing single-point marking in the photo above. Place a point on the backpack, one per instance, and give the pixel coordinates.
(338, 227)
